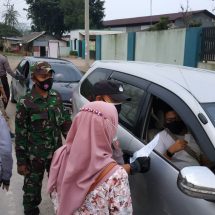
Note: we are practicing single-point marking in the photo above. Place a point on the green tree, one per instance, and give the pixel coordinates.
(74, 13)
(96, 14)
(8, 31)
(10, 16)
(46, 15)
(57, 16)
(163, 24)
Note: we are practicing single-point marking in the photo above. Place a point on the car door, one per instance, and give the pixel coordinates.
(133, 114)
(156, 191)
(19, 86)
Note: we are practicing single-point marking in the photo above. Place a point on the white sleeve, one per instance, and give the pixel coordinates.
(161, 147)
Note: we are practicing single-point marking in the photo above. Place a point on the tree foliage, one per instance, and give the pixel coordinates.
(46, 16)
(10, 16)
(74, 13)
(57, 16)
(163, 24)
(96, 14)
(8, 31)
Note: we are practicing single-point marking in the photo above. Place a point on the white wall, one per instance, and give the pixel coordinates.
(121, 46)
(62, 43)
(64, 51)
(114, 47)
(108, 47)
(161, 46)
(167, 46)
(75, 35)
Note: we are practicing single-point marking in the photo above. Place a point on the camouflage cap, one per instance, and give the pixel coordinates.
(41, 67)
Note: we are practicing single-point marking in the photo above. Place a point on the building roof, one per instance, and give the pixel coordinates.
(145, 20)
(99, 32)
(12, 38)
(96, 32)
(32, 36)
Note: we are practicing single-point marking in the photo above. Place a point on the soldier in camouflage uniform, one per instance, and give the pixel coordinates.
(40, 120)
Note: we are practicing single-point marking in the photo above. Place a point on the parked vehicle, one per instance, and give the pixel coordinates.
(66, 78)
(165, 189)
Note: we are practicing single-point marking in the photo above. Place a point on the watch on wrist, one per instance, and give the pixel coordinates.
(169, 154)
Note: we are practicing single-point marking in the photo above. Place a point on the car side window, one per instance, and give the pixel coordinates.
(21, 66)
(26, 70)
(130, 109)
(97, 75)
(184, 148)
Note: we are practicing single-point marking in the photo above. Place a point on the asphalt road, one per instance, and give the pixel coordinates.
(11, 201)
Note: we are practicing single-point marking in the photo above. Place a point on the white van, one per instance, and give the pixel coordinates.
(165, 189)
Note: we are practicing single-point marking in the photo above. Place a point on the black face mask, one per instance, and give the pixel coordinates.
(175, 127)
(45, 85)
(118, 108)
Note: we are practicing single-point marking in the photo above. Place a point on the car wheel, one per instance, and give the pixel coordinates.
(12, 99)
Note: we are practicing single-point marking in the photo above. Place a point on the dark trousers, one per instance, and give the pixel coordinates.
(6, 89)
(33, 184)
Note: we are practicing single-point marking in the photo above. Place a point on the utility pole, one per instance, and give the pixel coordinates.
(151, 13)
(87, 33)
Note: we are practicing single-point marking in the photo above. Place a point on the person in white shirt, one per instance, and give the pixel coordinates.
(176, 144)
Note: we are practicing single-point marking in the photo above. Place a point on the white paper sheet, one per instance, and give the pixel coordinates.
(146, 150)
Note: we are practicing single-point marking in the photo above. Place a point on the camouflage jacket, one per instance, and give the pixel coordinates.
(39, 124)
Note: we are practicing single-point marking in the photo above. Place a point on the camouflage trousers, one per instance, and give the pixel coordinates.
(33, 184)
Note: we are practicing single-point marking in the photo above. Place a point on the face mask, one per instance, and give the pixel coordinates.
(118, 108)
(45, 85)
(175, 127)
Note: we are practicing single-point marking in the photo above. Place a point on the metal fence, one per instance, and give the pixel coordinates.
(208, 44)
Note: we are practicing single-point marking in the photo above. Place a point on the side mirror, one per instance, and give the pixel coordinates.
(198, 182)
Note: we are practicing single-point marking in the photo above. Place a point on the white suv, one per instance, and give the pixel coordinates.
(165, 189)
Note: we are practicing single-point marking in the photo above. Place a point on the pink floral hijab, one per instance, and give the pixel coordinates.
(77, 164)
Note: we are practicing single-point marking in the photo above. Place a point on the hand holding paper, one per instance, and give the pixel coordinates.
(146, 150)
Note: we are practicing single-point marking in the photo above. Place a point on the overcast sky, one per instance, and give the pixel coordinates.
(117, 9)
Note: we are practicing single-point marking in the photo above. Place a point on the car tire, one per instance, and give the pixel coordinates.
(12, 99)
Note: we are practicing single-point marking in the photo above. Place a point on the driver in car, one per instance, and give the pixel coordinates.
(176, 144)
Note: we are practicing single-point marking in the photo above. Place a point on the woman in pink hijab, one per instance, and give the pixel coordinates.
(86, 155)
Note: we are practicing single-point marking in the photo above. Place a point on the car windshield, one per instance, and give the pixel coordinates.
(210, 110)
(65, 72)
